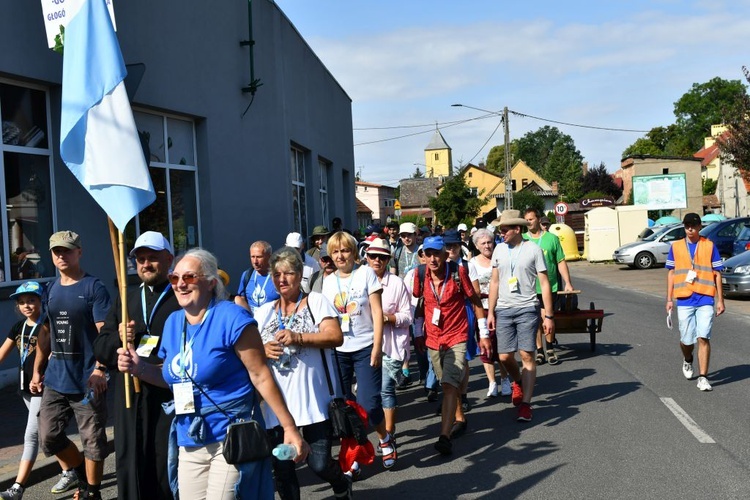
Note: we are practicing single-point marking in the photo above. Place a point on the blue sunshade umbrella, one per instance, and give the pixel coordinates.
(663, 221)
(713, 218)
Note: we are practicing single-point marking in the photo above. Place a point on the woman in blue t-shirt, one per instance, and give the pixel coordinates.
(215, 345)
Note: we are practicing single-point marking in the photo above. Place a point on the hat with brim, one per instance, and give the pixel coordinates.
(370, 239)
(407, 228)
(320, 231)
(65, 239)
(294, 240)
(379, 246)
(31, 287)
(433, 243)
(691, 219)
(324, 251)
(451, 237)
(510, 218)
(153, 240)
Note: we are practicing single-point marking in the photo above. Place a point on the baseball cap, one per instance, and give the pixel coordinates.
(691, 219)
(28, 287)
(462, 227)
(294, 240)
(153, 240)
(407, 227)
(370, 239)
(451, 237)
(372, 228)
(65, 239)
(324, 250)
(433, 243)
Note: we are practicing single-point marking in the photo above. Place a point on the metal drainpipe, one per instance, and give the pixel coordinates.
(255, 83)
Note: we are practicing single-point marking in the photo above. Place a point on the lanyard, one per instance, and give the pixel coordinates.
(285, 326)
(25, 351)
(445, 283)
(150, 318)
(351, 280)
(510, 257)
(262, 296)
(410, 263)
(183, 350)
(692, 257)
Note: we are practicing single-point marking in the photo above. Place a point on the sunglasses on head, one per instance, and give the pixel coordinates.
(188, 278)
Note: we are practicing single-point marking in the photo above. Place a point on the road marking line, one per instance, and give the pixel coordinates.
(688, 422)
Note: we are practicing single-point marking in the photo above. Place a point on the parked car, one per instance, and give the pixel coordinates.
(742, 242)
(735, 277)
(647, 232)
(724, 233)
(652, 250)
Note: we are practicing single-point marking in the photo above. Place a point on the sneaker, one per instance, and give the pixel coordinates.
(403, 381)
(492, 391)
(346, 494)
(432, 396)
(687, 369)
(354, 473)
(524, 413)
(68, 481)
(444, 446)
(15, 492)
(517, 393)
(703, 385)
(505, 389)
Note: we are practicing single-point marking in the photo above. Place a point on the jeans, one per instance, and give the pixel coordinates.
(431, 381)
(318, 436)
(369, 382)
(391, 369)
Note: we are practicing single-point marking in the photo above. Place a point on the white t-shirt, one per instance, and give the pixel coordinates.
(351, 295)
(303, 384)
(477, 272)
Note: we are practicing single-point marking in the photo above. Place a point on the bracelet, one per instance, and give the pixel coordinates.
(549, 317)
(301, 340)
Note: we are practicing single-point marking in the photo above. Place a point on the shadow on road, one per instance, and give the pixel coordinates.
(730, 374)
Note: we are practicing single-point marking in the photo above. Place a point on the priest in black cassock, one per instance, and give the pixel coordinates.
(142, 432)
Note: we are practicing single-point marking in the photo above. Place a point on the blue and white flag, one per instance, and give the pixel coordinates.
(98, 138)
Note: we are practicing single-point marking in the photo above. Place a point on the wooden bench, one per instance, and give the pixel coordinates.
(570, 320)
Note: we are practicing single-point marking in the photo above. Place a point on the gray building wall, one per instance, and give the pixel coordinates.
(195, 67)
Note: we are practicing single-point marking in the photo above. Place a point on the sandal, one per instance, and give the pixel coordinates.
(389, 457)
(458, 429)
(551, 357)
(539, 358)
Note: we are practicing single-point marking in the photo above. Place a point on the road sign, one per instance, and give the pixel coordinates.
(397, 205)
(561, 208)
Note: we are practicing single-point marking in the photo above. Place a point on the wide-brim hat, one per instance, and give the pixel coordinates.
(320, 231)
(510, 218)
(379, 246)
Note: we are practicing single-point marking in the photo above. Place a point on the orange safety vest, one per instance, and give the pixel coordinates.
(703, 283)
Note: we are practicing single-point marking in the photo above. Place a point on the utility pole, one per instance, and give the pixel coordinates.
(508, 180)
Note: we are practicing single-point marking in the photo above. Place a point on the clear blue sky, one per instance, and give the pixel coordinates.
(616, 63)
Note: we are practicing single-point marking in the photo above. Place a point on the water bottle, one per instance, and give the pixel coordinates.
(285, 452)
(88, 396)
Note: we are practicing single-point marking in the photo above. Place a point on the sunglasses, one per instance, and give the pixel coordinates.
(378, 256)
(188, 278)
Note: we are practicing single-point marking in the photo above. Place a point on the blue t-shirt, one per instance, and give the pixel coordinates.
(211, 361)
(258, 289)
(73, 312)
(696, 299)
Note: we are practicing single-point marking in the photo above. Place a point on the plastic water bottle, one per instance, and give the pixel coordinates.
(88, 396)
(285, 452)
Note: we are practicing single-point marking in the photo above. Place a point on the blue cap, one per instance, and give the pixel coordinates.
(372, 228)
(433, 243)
(451, 237)
(28, 287)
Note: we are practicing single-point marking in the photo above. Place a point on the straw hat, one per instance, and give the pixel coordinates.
(510, 218)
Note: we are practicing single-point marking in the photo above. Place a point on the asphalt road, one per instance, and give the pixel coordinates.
(602, 426)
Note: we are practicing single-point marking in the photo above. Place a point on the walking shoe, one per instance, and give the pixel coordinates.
(403, 381)
(15, 492)
(68, 481)
(524, 413)
(432, 396)
(354, 473)
(492, 391)
(465, 404)
(458, 429)
(444, 446)
(82, 494)
(347, 493)
(687, 369)
(703, 384)
(505, 389)
(517, 393)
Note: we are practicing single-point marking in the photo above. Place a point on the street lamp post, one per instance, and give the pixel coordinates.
(508, 180)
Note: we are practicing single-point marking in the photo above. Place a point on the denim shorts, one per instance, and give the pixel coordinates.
(516, 329)
(695, 322)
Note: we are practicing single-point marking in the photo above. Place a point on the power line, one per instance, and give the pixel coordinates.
(444, 125)
(488, 140)
(523, 115)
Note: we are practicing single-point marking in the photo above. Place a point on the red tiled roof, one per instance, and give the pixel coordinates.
(361, 207)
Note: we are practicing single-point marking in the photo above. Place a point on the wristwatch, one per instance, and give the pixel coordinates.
(101, 368)
(548, 317)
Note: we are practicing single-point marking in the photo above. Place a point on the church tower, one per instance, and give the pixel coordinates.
(438, 159)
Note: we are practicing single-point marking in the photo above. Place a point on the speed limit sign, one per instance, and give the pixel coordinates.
(561, 208)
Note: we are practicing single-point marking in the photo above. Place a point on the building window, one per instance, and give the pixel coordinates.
(474, 191)
(26, 181)
(524, 183)
(172, 164)
(513, 184)
(324, 169)
(437, 156)
(471, 174)
(299, 198)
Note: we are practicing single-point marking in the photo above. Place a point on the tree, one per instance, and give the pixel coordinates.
(534, 148)
(496, 157)
(527, 199)
(455, 203)
(735, 144)
(417, 174)
(709, 186)
(598, 179)
(564, 165)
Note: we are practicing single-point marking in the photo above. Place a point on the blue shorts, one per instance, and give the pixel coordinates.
(695, 322)
(516, 329)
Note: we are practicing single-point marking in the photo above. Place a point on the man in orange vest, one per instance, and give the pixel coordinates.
(694, 279)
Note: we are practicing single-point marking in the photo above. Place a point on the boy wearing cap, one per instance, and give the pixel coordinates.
(694, 279)
(142, 431)
(74, 382)
(405, 257)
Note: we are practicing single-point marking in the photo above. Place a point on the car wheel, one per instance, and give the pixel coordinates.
(644, 260)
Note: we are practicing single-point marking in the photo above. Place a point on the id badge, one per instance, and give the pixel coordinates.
(513, 284)
(691, 275)
(436, 317)
(184, 402)
(345, 323)
(147, 345)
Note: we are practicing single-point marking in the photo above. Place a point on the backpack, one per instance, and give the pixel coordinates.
(244, 280)
(421, 270)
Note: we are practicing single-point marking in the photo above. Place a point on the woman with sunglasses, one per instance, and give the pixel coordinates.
(214, 362)
(397, 317)
(298, 332)
(356, 294)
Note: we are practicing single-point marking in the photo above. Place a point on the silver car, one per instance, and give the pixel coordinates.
(652, 250)
(735, 277)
